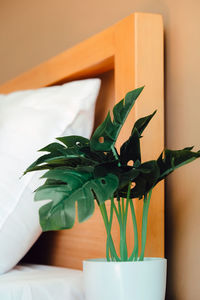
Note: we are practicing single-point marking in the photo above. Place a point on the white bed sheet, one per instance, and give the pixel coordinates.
(38, 282)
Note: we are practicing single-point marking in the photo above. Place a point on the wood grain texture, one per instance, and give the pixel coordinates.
(132, 52)
(142, 39)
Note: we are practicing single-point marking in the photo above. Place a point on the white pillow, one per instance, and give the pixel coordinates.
(29, 120)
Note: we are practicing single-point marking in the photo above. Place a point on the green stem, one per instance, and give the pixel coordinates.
(116, 212)
(108, 253)
(123, 209)
(134, 254)
(107, 226)
(126, 210)
(110, 226)
(144, 224)
(127, 203)
(123, 245)
(115, 155)
(123, 223)
(126, 214)
(107, 250)
(120, 211)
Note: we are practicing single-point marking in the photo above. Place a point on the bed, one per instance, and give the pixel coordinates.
(127, 55)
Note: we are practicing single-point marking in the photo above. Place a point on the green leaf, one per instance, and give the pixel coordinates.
(75, 152)
(54, 148)
(125, 174)
(130, 150)
(148, 174)
(79, 187)
(146, 180)
(71, 157)
(142, 123)
(151, 172)
(38, 162)
(109, 130)
(60, 219)
(74, 141)
(99, 157)
(169, 160)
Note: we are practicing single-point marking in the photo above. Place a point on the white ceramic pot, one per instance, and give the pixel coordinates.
(145, 280)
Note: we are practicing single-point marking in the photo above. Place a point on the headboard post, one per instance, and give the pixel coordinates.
(139, 43)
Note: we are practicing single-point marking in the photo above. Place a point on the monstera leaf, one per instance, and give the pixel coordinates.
(74, 141)
(76, 186)
(125, 174)
(151, 172)
(169, 160)
(56, 162)
(147, 176)
(69, 154)
(109, 130)
(130, 150)
(142, 123)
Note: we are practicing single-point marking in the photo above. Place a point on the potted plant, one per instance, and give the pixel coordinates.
(86, 171)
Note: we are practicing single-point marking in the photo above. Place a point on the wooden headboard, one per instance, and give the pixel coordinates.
(125, 56)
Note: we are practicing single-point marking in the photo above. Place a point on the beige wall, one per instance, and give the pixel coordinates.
(33, 31)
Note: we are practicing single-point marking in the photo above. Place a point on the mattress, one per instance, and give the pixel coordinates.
(38, 282)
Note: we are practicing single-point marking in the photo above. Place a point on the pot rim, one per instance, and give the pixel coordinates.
(146, 260)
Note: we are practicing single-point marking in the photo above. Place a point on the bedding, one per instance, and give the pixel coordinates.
(28, 121)
(30, 282)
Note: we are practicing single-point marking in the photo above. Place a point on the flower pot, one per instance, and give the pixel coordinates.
(141, 280)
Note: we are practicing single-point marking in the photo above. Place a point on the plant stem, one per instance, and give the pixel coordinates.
(109, 237)
(123, 245)
(122, 226)
(125, 215)
(144, 223)
(127, 203)
(115, 155)
(110, 225)
(126, 211)
(107, 250)
(123, 209)
(120, 211)
(134, 254)
(116, 212)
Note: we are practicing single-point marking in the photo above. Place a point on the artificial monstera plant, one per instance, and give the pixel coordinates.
(86, 171)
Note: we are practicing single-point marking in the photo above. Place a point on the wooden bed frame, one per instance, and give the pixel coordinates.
(125, 56)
